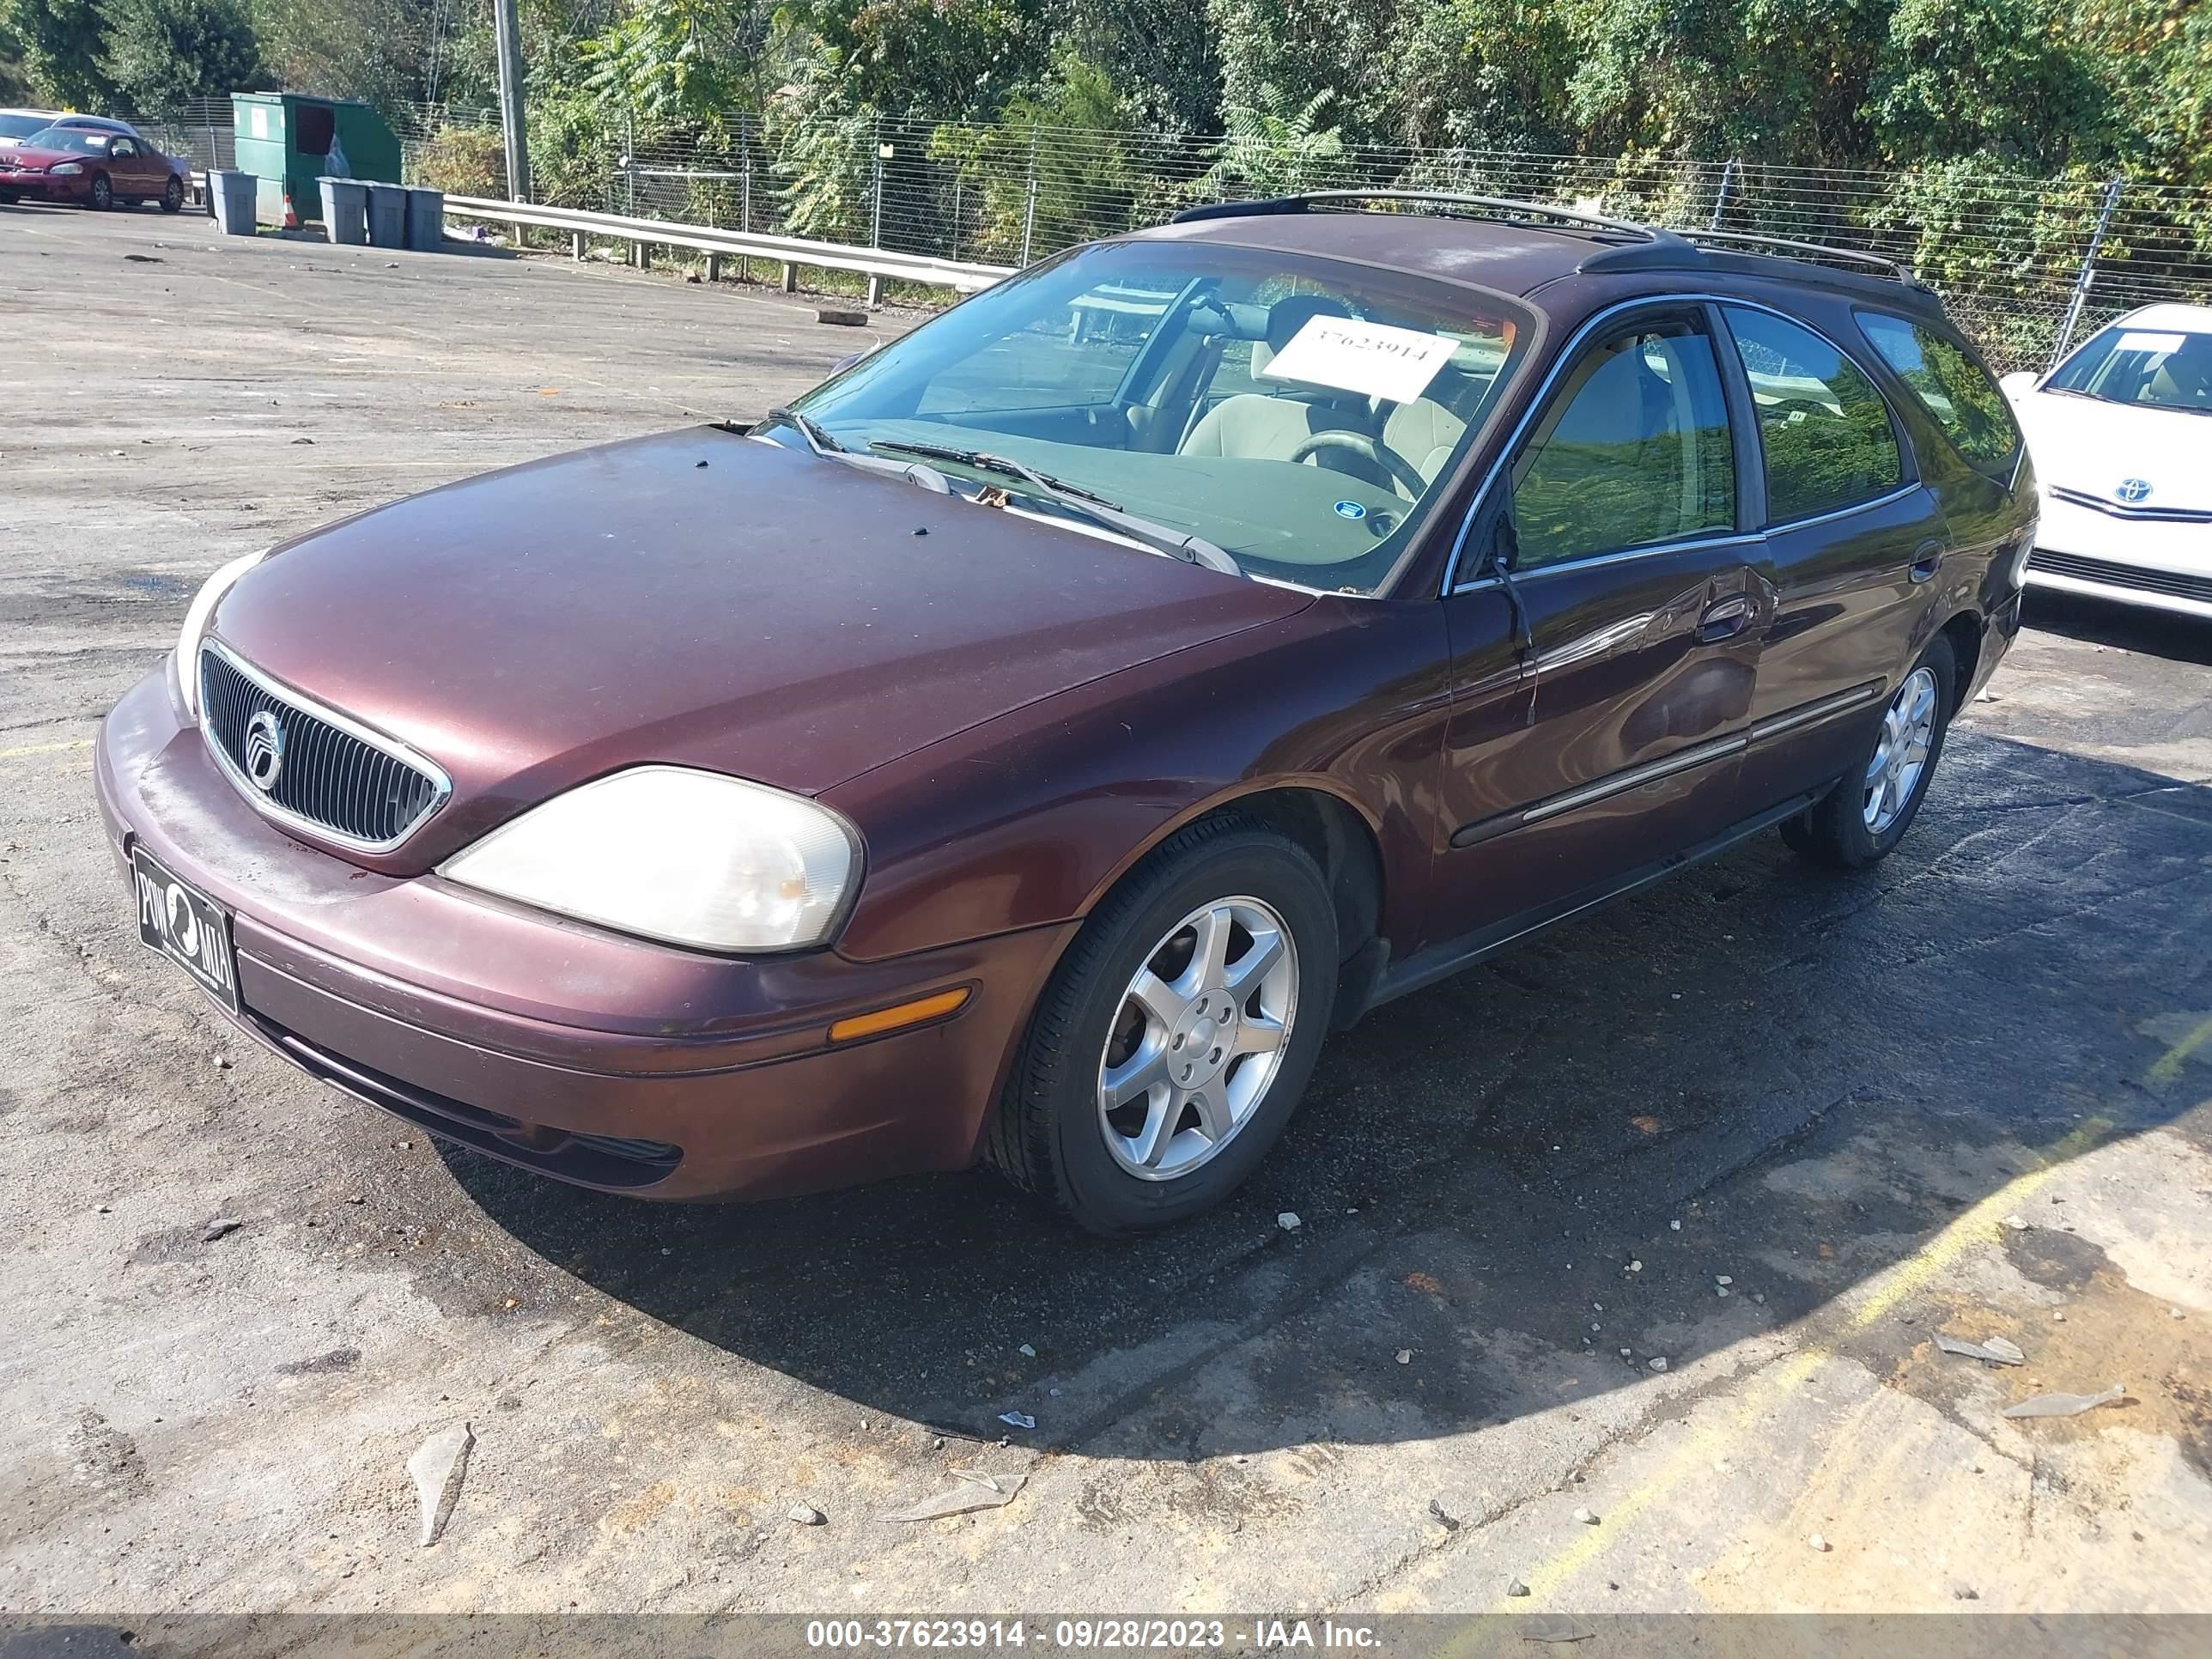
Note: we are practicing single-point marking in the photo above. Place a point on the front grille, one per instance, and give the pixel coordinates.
(2172, 583)
(332, 779)
(2123, 510)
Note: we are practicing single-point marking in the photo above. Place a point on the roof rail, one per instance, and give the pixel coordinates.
(1309, 199)
(1880, 262)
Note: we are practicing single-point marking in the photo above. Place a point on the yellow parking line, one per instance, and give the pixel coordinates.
(2167, 1067)
(1978, 1225)
(30, 749)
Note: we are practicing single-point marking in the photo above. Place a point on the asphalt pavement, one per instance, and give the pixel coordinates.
(1620, 1259)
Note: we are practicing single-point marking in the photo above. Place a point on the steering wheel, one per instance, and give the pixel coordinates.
(1394, 468)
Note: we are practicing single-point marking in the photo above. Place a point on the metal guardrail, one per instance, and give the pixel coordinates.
(791, 252)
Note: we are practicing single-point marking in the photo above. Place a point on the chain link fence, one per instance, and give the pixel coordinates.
(2024, 264)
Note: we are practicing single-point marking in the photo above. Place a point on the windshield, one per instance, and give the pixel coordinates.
(1295, 412)
(2153, 367)
(75, 140)
(21, 126)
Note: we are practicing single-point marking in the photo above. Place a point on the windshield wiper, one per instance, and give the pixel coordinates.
(1084, 503)
(819, 441)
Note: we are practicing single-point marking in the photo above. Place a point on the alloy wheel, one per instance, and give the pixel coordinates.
(1197, 1037)
(1908, 727)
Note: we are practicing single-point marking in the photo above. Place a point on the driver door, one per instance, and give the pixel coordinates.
(1596, 731)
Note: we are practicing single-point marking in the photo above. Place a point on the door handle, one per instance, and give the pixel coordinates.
(1926, 559)
(1725, 618)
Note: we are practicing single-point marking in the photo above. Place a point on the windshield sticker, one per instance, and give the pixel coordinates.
(2136, 340)
(1372, 359)
(1350, 510)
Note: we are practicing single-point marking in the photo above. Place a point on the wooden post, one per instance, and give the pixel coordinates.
(714, 267)
(790, 277)
(637, 253)
(875, 291)
(576, 245)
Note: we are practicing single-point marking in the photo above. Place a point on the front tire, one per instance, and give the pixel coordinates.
(1861, 819)
(172, 195)
(103, 193)
(1173, 1040)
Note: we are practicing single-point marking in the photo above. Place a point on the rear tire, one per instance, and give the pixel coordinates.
(1861, 819)
(1156, 1074)
(172, 195)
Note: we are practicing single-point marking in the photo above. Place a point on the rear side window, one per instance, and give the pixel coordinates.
(1956, 391)
(1634, 453)
(1824, 428)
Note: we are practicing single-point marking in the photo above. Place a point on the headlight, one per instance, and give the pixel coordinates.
(197, 615)
(67, 166)
(692, 858)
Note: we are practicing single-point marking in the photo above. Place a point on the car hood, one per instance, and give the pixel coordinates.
(2081, 444)
(13, 156)
(700, 598)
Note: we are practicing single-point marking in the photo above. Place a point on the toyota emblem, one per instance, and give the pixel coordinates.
(2132, 490)
(265, 750)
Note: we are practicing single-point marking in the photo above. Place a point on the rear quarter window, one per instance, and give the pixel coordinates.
(1957, 391)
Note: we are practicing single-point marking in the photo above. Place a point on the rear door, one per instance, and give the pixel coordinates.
(1854, 544)
(1597, 729)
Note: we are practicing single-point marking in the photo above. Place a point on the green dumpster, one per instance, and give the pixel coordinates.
(289, 140)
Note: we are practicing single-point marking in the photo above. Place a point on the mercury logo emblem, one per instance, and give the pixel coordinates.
(2132, 490)
(265, 750)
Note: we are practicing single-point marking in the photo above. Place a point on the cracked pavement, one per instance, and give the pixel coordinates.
(1837, 1092)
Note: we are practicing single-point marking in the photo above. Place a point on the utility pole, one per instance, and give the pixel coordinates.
(2088, 273)
(512, 123)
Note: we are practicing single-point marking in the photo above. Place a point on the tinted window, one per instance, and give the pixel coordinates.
(1952, 387)
(1636, 452)
(1824, 428)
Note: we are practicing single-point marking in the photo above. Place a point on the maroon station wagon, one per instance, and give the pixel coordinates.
(1033, 742)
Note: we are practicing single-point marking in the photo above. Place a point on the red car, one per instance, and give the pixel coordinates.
(94, 166)
(1032, 744)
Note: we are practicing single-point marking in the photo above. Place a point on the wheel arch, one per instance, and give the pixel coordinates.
(1963, 630)
(1339, 833)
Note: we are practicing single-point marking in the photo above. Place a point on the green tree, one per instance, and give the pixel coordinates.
(1274, 150)
(161, 53)
(1961, 78)
(61, 42)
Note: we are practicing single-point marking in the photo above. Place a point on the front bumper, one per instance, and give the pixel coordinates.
(45, 187)
(2164, 565)
(608, 1061)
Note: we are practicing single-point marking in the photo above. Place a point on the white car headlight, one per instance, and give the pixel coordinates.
(692, 858)
(67, 166)
(197, 615)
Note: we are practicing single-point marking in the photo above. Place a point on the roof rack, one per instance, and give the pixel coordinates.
(1305, 201)
(1657, 248)
(1880, 262)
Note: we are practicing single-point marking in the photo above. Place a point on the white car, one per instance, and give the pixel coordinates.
(2121, 437)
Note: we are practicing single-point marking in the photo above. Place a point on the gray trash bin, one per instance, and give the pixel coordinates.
(345, 210)
(387, 215)
(230, 196)
(426, 219)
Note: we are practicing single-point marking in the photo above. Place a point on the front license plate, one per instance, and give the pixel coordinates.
(187, 926)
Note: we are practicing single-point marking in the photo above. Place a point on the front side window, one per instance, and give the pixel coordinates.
(1957, 391)
(1824, 428)
(2153, 367)
(1298, 413)
(1633, 452)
